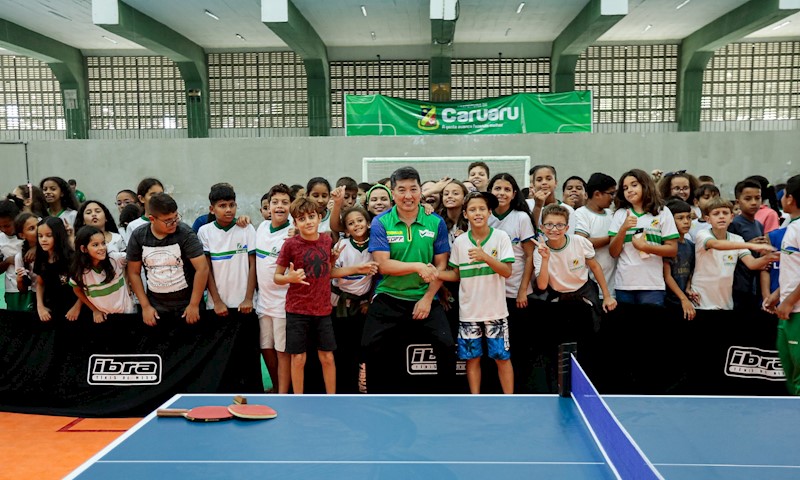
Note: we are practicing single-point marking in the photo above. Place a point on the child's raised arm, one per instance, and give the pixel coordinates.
(290, 275)
(369, 268)
(337, 196)
(760, 263)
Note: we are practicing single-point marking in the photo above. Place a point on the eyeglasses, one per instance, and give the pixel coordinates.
(611, 193)
(681, 189)
(555, 226)
(170, 223)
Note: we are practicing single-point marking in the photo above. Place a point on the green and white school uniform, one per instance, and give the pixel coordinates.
(229, 249)
(108, 297)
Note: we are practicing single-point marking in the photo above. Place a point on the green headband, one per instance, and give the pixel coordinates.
(379, 185)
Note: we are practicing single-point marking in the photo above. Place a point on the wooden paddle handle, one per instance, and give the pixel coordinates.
(171, 412)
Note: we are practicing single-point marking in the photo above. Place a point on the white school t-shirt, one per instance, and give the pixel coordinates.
(117, 243)
(567, 265)
(357, 284)
(229, 249)
(67, 214)
(325, 223)
(789, 277)
(518, 226)
(633, 271)
(480, 291)
(132, 226)
(271, 297)
(697, 226)
(10, 246)
(713, 271)
(594, 225)
(108, 297)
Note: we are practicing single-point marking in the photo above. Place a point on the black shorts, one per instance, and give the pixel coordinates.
(300, 328)
(387, 313)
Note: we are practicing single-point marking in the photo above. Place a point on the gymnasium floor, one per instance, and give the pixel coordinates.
(46, 447)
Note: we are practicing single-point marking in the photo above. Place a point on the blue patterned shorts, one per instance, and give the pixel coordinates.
(470, 339)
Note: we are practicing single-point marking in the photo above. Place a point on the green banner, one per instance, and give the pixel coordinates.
(520, 113)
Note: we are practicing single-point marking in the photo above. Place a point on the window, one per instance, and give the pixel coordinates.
(752, 81)
(136, 93)
(257, 90)
(630, 84)
(482, 78)
(30, 95)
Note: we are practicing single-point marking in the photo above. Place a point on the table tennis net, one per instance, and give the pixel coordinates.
(624, 456)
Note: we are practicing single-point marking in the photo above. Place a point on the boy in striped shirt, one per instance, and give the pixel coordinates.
(482, 260)
(231, 254)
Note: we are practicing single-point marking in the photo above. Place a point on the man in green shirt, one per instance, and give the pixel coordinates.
(410, 248)
(73, 185)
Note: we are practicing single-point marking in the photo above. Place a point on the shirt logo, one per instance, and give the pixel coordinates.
(654, 223)
(426, 233)
(395, 238)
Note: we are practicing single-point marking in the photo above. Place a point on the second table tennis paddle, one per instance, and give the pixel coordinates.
(197, 414)
(241, 409)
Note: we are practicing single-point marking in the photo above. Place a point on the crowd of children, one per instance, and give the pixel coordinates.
(310, 271)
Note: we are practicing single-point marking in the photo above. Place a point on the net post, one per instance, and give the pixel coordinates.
(565, 352)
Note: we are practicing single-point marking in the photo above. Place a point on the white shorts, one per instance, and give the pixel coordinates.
(273, 332)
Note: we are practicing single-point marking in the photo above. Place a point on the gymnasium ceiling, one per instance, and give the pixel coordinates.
(402, 28)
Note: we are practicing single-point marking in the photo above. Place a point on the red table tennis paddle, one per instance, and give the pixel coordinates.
(197, 414)
(241, 409)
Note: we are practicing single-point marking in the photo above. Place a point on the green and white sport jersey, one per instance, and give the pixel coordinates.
(229, 249)
(108, 297)
(271, 296)
(421, 241)
(789, 276)
(481, 292)
(634, 270)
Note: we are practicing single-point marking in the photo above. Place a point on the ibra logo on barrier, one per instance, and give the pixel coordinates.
(751, 362)
(420, 360)
(124, 370)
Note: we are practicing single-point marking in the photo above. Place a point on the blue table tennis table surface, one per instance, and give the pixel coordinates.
(457, 437)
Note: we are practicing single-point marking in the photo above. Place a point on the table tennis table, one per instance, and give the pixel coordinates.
(457, 436)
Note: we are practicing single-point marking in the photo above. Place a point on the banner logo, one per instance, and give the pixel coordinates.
(420, 360)
(751, 362)
(428, 120)
(124, 370)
